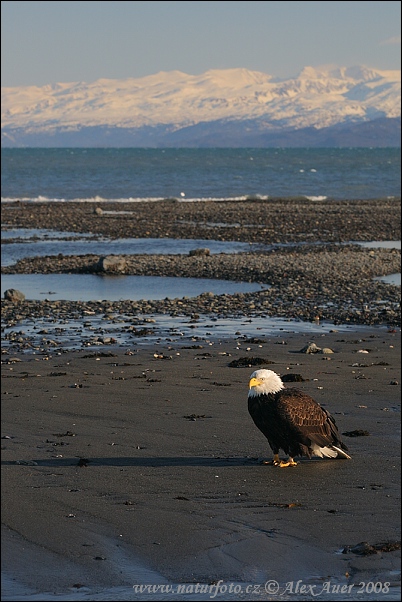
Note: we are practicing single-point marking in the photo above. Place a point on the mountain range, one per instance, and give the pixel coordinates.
(321, 107)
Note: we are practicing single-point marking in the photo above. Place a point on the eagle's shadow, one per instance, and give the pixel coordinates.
(155, 462)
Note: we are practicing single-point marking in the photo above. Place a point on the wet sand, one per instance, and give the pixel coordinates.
(151, 460)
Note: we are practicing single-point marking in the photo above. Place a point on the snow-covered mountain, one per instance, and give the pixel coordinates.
(232, 107)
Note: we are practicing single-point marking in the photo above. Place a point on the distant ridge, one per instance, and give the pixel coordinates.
(234, 108)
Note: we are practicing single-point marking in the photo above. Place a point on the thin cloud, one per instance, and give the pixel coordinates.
(391, 41)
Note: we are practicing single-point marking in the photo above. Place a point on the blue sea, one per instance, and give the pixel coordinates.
(124, 174)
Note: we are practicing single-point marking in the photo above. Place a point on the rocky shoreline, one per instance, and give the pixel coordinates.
(255, 220)
(331, 282)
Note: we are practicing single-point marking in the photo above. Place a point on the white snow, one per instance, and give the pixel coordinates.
(317, 97)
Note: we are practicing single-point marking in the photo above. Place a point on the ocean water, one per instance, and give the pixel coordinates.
(198, 174)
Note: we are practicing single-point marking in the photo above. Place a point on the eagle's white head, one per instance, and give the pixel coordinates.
(263, 382)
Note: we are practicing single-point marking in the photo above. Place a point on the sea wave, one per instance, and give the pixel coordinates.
(99, 199)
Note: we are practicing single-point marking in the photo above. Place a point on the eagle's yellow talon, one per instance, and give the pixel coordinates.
(285, 464)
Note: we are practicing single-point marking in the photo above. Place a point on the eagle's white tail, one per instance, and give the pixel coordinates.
(329, 452)
(341, 453)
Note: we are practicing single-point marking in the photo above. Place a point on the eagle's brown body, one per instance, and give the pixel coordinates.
(291, 420)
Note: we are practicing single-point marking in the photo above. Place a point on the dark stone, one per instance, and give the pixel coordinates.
(13, 295)
(243, 362)
(356, 433)
(199, 252)
(292, 378)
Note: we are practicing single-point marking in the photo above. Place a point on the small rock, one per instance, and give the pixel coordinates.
(13, 295)
(249, 361)
(310, 348)
(356, 433)
(199, 252)
(112, 264)
(363, 549)
(292, 378)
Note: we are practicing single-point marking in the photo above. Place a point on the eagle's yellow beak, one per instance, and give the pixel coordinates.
(254, 382)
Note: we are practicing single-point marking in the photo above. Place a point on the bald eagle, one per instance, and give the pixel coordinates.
(291, 420)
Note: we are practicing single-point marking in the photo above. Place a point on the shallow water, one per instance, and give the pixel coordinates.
(91, 287)
(390, 279)
(132, 332)
(380, 244)
(384, 244)
(40, 243)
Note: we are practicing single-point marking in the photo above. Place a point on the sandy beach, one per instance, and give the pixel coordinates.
(122, 468)
(153, 457)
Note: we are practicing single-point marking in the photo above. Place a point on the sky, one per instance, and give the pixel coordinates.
(49, 42)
